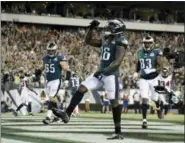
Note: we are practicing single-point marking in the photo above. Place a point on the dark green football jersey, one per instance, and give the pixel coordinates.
(108, 52)
(52, 67)
(148, 62)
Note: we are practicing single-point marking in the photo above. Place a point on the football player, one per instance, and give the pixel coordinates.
(26, 91)
(53, 64)
(112, 44)
(164, 89)
(150, 63)
(74, 84)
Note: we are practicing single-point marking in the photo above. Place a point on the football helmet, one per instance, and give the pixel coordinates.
(52, 49)
(148, 43)
(114, 27)
(74, 74)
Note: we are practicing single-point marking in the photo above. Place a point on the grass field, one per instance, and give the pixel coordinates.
(169, 118)
(92, 125)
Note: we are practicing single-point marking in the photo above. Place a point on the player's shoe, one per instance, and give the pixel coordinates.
(46, 121)
(14, 113)
(61, 114)
(116, 137)
(55, 119)
(30, 114)
(144, 125)
(160, 114)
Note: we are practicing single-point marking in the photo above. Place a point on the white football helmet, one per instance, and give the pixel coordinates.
(148, 43)
(52, 49)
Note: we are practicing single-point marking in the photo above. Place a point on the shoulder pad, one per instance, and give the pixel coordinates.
(122, 40)
(44, 57)
(62, 58)
(158, 52)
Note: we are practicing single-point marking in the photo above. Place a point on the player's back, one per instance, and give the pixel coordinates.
(52, 67)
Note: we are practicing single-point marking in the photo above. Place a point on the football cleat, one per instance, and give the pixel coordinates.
(46, 121)
(61, 114)
(116, 137)
(144, 125)
(160, 114)
(30, 114)
(14, 113)
(55, 119)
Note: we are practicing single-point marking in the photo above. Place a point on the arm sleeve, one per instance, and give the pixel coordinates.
(159, 52)
(62, 58)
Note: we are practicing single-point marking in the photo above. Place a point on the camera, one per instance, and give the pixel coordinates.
(177, 56)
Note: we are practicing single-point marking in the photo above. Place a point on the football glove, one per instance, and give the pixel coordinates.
(94, 24)
(98, 75)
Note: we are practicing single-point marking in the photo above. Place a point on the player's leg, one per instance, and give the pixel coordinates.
(89, 84)
(144, 90)
(111, 84)
(162, 102)
(24, 95)
(52, 89)
(156, 97)
(20, 106)
(29, 100)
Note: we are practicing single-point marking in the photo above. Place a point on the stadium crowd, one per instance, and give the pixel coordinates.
(98, 11)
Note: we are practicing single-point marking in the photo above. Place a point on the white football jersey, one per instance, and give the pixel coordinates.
(166, 82)
(25, 82)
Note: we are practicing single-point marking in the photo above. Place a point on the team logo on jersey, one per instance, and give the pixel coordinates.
(152, 54)
(160, 53)
(113, 42)
(64, 58)
(55, 59)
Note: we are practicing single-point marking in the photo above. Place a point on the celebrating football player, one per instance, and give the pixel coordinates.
(113, 44)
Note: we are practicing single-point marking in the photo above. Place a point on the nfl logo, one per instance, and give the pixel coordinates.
(55, 59)
(152, 54)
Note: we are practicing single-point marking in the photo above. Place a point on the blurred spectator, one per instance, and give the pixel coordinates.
(98, 11)
(105, 106)
(136, 97)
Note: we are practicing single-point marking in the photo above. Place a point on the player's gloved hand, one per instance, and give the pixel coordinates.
(98, 75)
(94, 24)
(160, 89)
(136, 76)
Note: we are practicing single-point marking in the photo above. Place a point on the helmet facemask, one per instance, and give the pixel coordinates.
(52, 49)
(148, 43)
(165, 72)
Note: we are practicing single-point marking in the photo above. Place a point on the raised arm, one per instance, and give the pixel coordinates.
(65, 67)
(88, 38)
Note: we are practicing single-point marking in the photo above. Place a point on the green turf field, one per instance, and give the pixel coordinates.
(95, 126)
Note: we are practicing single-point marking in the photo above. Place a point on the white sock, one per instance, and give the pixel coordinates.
(144, 120)
(76, 110)
(49, 113)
